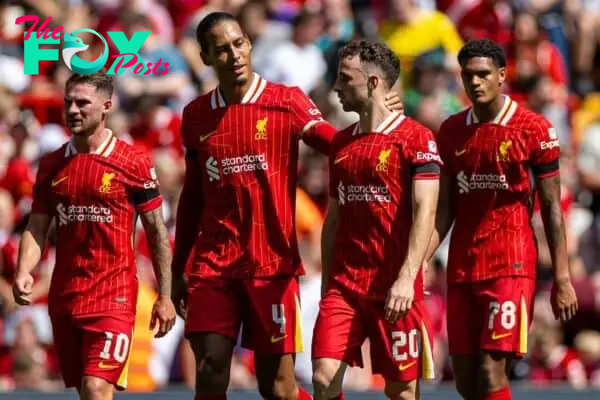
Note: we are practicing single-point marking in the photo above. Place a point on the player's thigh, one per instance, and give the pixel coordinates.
(107, 344)
(403, 351)
(212, 353)
(68, 343)
(271, 316)
(506, 305)
(339, 330)
(396, 390)
(214, 306)
(463, 322)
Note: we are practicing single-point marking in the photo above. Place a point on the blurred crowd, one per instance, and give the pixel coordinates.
(552, 46)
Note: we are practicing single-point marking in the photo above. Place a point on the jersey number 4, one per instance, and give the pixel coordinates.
(118, 345)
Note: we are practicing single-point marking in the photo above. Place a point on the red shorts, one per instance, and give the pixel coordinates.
(93, 346)
(269, 309)
(400, 352)
(492, 315)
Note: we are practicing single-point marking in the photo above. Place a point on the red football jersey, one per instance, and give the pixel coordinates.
(491, 166)
(248, 154)
(94, 198)
(371, 176)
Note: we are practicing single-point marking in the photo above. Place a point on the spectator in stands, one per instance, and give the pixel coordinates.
(171, 86)
(550, 361)
(589, 174)
(410, 31)
(297, 62)
(587, 344)
(430, 100)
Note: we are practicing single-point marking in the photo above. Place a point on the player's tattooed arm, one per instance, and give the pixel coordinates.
(31, 246)
(330, 228)
(563, 298)
(160, 248)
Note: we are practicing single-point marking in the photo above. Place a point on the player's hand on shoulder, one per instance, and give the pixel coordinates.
(22, 289)
(563, 300)
(393, 101)
(179, 295)
(163, 315)
(400, 298)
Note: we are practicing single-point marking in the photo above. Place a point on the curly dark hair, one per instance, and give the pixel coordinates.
(376, 54)
(100, 80)
(209, 22)
(482, 48)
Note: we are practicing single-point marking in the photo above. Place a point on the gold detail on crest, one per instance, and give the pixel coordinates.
(107, 177)
(503, 150)
(261, 129)
(383, 158)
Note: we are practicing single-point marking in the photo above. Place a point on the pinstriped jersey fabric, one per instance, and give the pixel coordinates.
(492, 166)
(94, 198)
(247, 155)
(371, 176)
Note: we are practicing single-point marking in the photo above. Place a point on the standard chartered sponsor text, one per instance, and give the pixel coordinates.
(488, 181)
(245, 163)
(89, 214)
(368, 193)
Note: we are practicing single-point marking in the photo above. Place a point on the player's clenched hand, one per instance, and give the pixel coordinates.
(22, 288)
(563, 300)
(163, 314)
(400, 298)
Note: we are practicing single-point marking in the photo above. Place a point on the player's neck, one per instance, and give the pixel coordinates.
(489, 112)
(91, 143)
(373, 116)
(233, 94)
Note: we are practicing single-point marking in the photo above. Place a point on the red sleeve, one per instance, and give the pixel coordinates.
(309, 123)
(545, 148)
(443, 146)
(422, 153)
(41, 195)
(144, 186)
(333, 178)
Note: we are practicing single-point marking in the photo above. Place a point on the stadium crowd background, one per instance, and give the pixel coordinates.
(552, 46)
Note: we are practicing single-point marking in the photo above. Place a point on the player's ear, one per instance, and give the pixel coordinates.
(372, 83)
(501, 75)
(206, 58)
(107, 106)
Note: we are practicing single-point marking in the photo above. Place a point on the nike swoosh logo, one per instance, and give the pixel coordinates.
(204, 137)
(275, 339)
(500, 336)
(102, 365)
(460, 152)
(57, 181)
(339, 159)
(404, 367)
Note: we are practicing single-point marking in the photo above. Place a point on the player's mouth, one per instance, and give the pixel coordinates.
(238, 69)
(75, 122)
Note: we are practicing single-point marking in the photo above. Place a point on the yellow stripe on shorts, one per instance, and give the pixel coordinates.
(427, 366)
(298, 342)
(523, 326)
